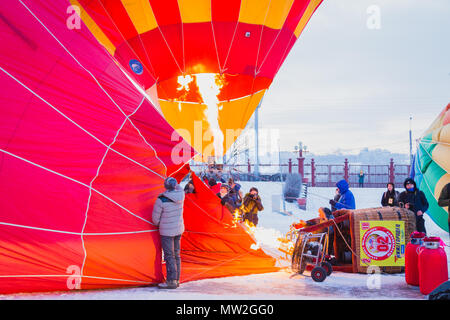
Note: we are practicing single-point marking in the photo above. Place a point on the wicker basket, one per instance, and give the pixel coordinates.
(382, 214)
(348, 234)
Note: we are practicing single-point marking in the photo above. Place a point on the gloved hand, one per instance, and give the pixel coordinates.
(332, 202)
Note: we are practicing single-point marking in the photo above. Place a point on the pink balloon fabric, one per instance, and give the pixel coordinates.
(83, 156)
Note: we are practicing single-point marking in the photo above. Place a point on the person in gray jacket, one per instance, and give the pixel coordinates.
(168, 215)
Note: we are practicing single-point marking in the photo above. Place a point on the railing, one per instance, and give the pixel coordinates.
(318, 175)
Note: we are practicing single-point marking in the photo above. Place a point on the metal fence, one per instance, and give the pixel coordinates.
(316, 175)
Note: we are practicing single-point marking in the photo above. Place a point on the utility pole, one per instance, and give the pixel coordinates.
(410, 143)
(281, 176)
(257, 142)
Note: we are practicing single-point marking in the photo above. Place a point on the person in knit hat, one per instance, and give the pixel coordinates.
(168, 215)
(414, 199)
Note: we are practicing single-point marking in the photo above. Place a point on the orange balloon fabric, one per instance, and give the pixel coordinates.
(214, 245)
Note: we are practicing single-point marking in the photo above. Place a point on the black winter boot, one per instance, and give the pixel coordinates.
(169, 284)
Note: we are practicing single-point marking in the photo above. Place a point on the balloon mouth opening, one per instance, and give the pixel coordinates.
(233, 86)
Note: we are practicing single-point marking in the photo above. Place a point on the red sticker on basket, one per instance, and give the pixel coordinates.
(365, 225)
(378, 243)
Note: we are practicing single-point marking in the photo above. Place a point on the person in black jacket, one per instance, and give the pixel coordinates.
(390, 196)
(225, 198)
(444, 201)
(414, 200)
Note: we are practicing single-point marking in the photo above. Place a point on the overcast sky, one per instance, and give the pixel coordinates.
(346, 86)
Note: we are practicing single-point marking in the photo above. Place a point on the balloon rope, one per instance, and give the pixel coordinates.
(95, 177)
(79, 126)
(260, 36)
(232, 39)
(215, 44)
(276, 38)
(76, 233)
(433, 142)
(348, 246)
(74, 180)
(428, 186)
(431, 157)
(112, 21)
(72, 277)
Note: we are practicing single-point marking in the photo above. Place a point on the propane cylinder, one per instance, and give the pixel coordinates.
(412, 258)
(433, 270)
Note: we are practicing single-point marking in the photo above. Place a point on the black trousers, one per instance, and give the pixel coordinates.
(331, 241)
(420, 224)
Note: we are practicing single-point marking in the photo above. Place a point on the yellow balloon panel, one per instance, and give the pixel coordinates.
(441, 154)
(195, 10)
(444, 135)
(245, 107)
(445, 179)
(306, 16)
(270, 13)
(141, 14)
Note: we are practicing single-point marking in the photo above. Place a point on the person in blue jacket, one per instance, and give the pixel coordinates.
(347, 200)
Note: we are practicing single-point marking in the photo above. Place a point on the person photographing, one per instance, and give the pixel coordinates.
(251, 206)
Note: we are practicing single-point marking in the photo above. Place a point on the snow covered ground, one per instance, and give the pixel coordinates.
(277, 285)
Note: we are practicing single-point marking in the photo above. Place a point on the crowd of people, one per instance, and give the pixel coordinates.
(411, 198)
(168, 210)
(415, 200)
(231, 197)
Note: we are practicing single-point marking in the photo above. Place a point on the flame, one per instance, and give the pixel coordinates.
(264, 237)
(269, 240)
(287, 243)
(209, 87)
(237, 216)
(184, 82)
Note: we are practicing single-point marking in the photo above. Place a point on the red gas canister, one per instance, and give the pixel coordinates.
(412, 258)
(433, 269)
